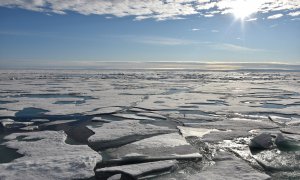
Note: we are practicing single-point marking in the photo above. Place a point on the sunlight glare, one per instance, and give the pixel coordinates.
(242, 9)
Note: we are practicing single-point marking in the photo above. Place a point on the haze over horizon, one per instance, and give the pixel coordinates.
(39, 33)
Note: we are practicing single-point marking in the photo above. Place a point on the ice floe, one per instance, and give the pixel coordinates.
(47, 156)
(161, 147)
(138, 171)
(122, 132)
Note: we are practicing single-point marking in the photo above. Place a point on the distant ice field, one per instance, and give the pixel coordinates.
(115, 118)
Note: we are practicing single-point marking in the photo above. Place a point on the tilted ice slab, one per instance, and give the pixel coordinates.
(47, 156)
(161, 147)
(194, 132)
(136, 171)
(133, 116)
(151, 115)
(122, 132)
(10, 124)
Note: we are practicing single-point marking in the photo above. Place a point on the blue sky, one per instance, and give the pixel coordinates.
(60, 32)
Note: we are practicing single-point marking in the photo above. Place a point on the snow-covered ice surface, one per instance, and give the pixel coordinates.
(183, 124)
(47, 156)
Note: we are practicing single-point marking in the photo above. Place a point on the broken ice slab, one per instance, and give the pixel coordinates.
(122, 132)
(151, 115)
(11, 124)
(194, 132)
(133, 116)
(160, 147)
(137, 171)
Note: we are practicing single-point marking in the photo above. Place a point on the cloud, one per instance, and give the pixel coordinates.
(251, 19)
(208, 15)
(273, 25)
(195, 29)
(164, 41)
(295, 19)
(297, 13)
(233, 47)
(275, 16)
(154, 9)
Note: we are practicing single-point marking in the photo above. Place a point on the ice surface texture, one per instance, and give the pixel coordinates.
(47, 156)
(180, 124)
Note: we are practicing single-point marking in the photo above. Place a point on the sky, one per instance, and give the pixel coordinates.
(84, 32)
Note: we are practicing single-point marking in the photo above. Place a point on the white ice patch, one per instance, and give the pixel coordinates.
(47, 156)
(165, 140)
(197, 132)
(160, 147)
(118, 129)
(123, 132)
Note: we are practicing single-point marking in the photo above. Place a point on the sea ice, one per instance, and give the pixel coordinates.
(47, 156)
(161, 147)
(122, 132)
(228, 167)
(137, 171)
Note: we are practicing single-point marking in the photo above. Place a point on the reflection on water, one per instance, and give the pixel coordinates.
(30, 112)
(7, 154)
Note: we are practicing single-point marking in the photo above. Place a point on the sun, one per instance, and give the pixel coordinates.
(242, 9)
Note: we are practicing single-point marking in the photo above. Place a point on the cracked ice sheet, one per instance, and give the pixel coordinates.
(233, 93)
(161, 147)
(176, 101)
(65, 109)
(122, 132)
(251, 87)
(47, 156)
(138, 170)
